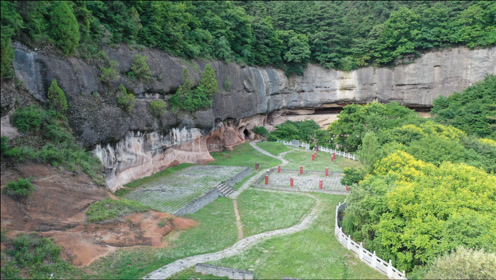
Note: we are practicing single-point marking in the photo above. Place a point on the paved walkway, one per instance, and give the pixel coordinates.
(179, 265)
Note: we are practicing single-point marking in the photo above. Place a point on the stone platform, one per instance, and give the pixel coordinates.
(174, 191)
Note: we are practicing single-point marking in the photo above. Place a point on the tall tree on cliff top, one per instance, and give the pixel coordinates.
(208, 81)
(65, 28)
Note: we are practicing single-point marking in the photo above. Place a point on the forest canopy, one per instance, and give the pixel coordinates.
(287, 34)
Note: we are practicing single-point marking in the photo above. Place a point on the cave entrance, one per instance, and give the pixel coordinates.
(247, 133)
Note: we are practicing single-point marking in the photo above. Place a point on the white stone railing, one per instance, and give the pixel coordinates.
(321, 149)
(363, 254)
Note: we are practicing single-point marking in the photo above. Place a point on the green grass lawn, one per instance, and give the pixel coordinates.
(273, 147)
(311, 254)
(303, 158)
(262, 211)
(216, 231)
(244, 155)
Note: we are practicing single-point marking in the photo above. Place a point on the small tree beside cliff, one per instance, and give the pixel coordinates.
(56, 96)
(208, 81)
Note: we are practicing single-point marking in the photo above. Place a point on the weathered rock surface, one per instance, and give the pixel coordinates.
(136, 144)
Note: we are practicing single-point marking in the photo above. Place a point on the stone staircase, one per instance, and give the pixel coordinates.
(224, 189)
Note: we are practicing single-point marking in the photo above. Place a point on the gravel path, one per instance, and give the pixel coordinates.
(179, 265)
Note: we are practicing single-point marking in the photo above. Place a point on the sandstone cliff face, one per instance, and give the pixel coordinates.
(136, 144)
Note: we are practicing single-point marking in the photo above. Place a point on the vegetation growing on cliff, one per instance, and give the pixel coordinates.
(56, 97)
(48, 138)
(20, 188)
(199, 98)
(287, 34)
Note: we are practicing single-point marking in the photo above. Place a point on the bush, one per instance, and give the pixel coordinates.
(227, 84)
(158, 108)
(56, 97)
(28, 118)
(4, 144)
(21, 188)
(464, 264)
(125, 100)
(352, 176)
(110, 74)
(261, 130)
(140, 69)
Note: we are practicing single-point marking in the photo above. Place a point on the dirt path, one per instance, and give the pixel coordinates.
(238, 220)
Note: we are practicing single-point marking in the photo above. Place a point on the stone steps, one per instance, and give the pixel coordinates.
(224, 189)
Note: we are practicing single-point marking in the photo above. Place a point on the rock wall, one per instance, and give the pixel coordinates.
(136, 144)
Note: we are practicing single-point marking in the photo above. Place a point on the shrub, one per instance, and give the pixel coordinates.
(21, 188)
(158, 108)
(227, 84)
(140, 69)
(7, 56)
(464, 264)
(28, 118)
(125, 100)
(4, 144)
(110, 74)
(56, 96)
(261, 130)
(352, 176)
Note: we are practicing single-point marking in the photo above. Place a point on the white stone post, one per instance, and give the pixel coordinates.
(373, 262)
(390, 270)
(348, 242)
(404, 275)
(360, 251)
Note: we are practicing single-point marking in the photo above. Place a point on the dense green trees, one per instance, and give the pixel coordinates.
(287, 34)
(64, 28)
(473, 110)
(412, 211)
(428, 187)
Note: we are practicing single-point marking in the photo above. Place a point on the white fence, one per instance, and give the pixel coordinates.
(363, 254)
(297, 143)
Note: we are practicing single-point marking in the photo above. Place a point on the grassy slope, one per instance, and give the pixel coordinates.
(273, 147)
